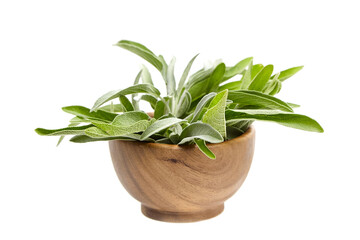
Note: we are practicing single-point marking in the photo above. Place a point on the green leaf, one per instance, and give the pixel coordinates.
(246, 80)
(254, 98)
(139, 88)
(146, 76)
(126, 123)
(120, 130)
(293, 105)
(95, 132)
(289, 73)
(170, 78)
(198, 76)
(129, 118)
(216, 77)
(256, 69)
(78, 120)
(61, 138)
(62, 131)
(261, 78)
(184, 104)
(198, 83)
(185, 75)
(236, 85)
(200, 106)
(86, 139)
(150, 99)
(164, 69)
(201, 131)
(126, 103)
(277, 88)
(141, 51)
(237, 69)
(233, 132)
(159, 125)
(284, 118)
(135, 102)
(159, 109)
(84, 112)
(215, 115)
(203, 148)
(113, 108)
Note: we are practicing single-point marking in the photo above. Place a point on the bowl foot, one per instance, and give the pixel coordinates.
(182, 216)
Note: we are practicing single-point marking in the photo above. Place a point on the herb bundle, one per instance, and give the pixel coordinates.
(210, 106)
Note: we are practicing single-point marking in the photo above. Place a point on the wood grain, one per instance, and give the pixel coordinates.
(179, 183)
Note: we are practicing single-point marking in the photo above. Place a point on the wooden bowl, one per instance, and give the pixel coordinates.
(179, 183)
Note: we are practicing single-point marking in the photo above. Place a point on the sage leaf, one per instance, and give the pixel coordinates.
(293, 105)
(261, 78)
(61, 138)
(123, 129)
(216, 77)
(237, 69)
(126, 103)
(185, 75)
(236, 85)
(289, 73)
(184, 104)
(95, 132)
(203, 148)
(256, 69)
(254, 98)
(200, 106)
(139, 88)
(201, 131)
(129, 118)
(215, 115)
(63, 131)
(85, 138)
(146, 76)
(292, 120)
(135, 102)
(246, 80)
(141, 51)
(159, 109)
(126, 123)
(159, 125)
(233, 132)
(170, 78)
(84, 112)
(150, 99)
(113, 108)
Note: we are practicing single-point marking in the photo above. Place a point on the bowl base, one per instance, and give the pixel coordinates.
(180, 217)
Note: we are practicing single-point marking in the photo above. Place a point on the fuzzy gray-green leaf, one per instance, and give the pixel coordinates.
(84, 112)
(215, 115)
(141, 51)
(254, 98)
(62, 131)
(216, 77)
(184, 104)
(289, 73)
(201, 131)
(293, 120)
(261, 78)
(200, 106)
(237, 69)
(203, 148)
(139, 88)
(185, 75)
(159, 125)
(126, 103)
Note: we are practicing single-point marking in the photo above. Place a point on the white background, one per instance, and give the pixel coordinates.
(57, 53)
